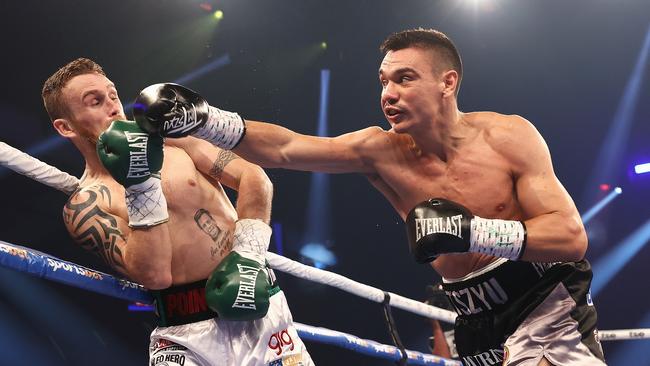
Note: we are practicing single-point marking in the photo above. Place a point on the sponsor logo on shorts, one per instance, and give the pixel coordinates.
(488, 358)
(448, 225)
(281, 341)
(590, 301)
(164, 352)
(173, 359)
(506, 355)
(165, 344)
(291, 360)
(185, 303)
(475, 299)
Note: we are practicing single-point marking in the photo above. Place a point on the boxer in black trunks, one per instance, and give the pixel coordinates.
(499, 210)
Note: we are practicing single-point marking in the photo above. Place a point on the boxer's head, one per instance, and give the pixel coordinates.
(81, 101)
(421, 68)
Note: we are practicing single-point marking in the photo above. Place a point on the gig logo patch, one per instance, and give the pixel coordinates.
(279, 341)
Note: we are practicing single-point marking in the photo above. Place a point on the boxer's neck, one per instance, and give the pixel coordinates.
(94, 167)
(443, 134)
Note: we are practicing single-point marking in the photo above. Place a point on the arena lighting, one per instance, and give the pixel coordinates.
(218, 15)
(642, 168)
(323, 45)
(587, 216)
(609, 264)
(610, 156)
(318, 208)
(318, 254)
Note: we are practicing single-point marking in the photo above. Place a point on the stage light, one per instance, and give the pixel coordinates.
(323, 45)
(218, 15)
(642, 168)
(608, 265)
(317, 253)
(604, 187)
(587, 216)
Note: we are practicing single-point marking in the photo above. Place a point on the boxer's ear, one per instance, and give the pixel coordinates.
(451, 83)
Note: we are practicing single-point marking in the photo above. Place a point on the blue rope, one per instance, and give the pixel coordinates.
(51, 268)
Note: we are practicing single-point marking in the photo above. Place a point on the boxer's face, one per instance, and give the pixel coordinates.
(411, 90)
(93, 104)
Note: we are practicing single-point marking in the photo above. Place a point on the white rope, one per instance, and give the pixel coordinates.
(31, 167)
(25, 164)
(624, 334)
(373, 294)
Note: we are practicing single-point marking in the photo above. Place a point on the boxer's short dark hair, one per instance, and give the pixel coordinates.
(53, 87)
(428, 39)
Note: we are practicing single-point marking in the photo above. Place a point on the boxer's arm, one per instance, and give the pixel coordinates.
(162, 109)
(273, 146)
(439, 346)
(143, 255)
(554, 227)
(254, 189)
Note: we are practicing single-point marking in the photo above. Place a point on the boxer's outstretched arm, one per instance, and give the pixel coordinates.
(554, 227)
(273, 146)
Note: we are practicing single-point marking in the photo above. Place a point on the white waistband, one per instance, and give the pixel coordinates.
(478, 272)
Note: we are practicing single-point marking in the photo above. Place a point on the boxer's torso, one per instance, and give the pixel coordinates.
(201, 217)
(475, 175)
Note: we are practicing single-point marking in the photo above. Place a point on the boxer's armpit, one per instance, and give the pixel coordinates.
(94, 229)
(224, 157)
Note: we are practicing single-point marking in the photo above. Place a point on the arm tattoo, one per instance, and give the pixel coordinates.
(101, 236)
(206, 223)
(225, 157)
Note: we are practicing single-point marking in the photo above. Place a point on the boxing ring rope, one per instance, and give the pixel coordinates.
(300, 270)
(27, 165)
(51, 268)
(45, 266)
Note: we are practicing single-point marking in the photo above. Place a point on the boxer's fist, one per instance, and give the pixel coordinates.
(130, 154)
(134, 159)
(170, 110)
(239, 288)
(439, 226)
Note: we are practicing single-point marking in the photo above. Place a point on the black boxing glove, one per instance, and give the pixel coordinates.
(439, 226)
(172, 110)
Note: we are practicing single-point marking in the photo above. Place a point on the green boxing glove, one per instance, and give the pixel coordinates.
(239, 288)
(134, 159)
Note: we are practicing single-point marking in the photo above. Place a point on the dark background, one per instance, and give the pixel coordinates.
(564, 65)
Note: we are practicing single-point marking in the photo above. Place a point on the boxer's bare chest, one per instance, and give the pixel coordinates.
(475, 176)
(201, 217)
